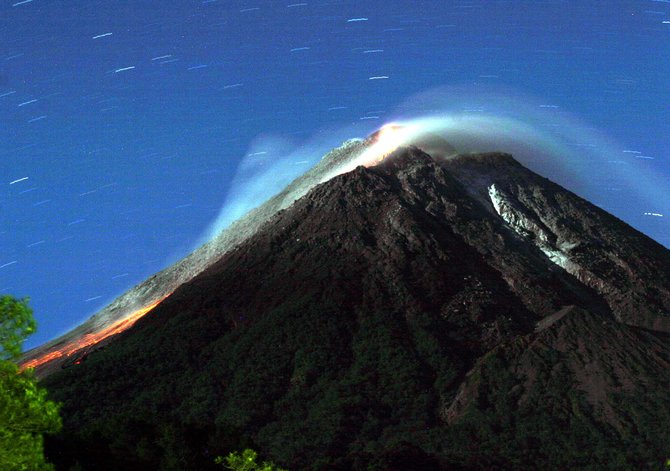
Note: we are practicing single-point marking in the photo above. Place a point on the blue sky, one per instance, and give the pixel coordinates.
(122, 124)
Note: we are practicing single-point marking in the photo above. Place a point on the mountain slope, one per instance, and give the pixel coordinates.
(413, 315)
(97, 331)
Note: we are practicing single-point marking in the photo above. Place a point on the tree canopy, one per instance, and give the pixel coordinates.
(246, 461)
(25, 412)
(16, 323)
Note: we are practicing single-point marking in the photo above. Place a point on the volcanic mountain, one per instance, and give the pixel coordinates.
(123, 312)
(422, 313)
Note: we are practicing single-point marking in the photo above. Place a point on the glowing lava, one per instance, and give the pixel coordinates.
(92, 338)
(386, 140)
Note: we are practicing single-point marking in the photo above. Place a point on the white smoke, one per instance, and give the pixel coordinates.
(269, 165)
(540, 134)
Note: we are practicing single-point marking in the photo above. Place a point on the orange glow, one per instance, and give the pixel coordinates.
(91, 338)
(388, 139)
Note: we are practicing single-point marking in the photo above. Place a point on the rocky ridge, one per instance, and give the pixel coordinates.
(460, 312)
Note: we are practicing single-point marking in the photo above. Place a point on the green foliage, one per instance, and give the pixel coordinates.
(246, 461)
(16, 323)
(25, 411)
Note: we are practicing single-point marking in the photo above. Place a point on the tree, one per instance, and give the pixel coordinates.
(25, 412)
(246, 461)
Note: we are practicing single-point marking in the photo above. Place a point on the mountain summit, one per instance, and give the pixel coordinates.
(423, 313)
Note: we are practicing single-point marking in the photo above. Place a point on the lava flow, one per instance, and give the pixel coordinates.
(92, 338)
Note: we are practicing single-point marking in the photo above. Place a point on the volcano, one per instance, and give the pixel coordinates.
(423, 313)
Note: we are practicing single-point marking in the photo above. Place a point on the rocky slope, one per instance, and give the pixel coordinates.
(96, 332)
(419, 314)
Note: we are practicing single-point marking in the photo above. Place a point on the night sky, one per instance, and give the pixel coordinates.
(124, 124)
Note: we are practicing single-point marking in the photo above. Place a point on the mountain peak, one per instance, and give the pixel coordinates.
(464, 305)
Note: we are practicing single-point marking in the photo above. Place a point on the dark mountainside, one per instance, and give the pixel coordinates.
(420, 314)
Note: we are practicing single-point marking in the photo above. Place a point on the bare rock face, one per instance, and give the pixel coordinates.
(444, 313)
(599, 250)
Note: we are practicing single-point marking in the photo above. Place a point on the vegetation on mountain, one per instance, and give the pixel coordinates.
(246, 461)
(392, 320)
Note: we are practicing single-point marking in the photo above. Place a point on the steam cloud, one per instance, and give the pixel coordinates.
(540, 135)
